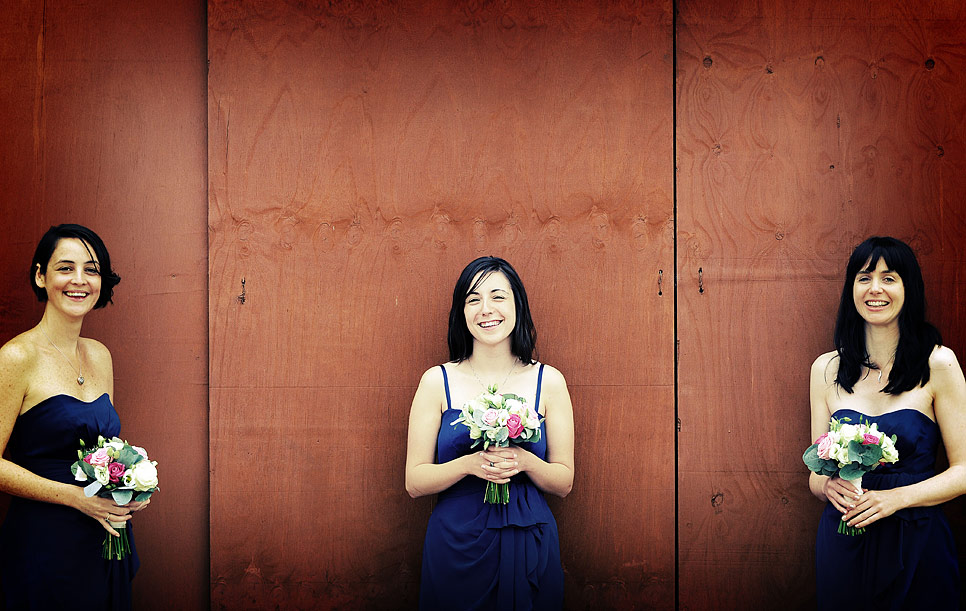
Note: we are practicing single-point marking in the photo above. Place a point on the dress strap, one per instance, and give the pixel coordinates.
(449, 404)
(539, 384)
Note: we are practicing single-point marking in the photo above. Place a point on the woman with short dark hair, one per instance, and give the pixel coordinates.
(890, 368)
(479, 555)
(56, 389)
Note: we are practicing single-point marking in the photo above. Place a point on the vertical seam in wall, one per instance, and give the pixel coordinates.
(674, 214)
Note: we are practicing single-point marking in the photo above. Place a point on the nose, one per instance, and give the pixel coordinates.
(78, 276)
(876, 285)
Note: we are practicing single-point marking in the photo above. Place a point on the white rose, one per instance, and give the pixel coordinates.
(515, 407)
(533, 423)
(145, 476)
(100, 474)
(501, 417)
(849, 432)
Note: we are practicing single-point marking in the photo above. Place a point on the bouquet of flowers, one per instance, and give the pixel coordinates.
(850, 450)
(496, 420)
(117, 471)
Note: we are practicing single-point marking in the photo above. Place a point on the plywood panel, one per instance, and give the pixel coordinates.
(103, 122)
(358, 159)
(802, 129)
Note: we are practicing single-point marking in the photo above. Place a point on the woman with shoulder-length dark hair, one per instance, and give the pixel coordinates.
(889, 367)
(479, 555)
(56, 389)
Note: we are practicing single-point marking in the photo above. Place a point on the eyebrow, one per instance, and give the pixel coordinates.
(870, 270)
(491, 290)
(72, 261)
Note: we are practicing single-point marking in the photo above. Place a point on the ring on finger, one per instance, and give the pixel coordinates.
(491, 464)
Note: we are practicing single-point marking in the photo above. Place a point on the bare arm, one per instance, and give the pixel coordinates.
(423, 475)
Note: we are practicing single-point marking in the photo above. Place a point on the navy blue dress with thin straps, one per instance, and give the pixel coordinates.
(489, 556)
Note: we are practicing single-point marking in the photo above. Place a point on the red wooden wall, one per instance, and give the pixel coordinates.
(102, 112)
(359, 157)
(803, 127)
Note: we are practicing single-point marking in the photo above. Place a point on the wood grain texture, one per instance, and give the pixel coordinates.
(360, 155)
(103, 122)
(803, 127)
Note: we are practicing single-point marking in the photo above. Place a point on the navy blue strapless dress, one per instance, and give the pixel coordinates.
(50, 555)
(905, 561)
(483, 556)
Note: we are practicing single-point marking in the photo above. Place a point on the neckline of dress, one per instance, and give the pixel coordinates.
(895, 411)
(52, 397)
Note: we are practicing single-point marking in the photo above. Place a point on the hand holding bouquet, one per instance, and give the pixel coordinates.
(117, 471)
(850, 451)
(497, 420)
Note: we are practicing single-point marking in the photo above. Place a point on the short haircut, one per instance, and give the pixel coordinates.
(93, 242)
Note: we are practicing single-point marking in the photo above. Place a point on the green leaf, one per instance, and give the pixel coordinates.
(143, 496)
(122, 497)
(872, 455)
(811, 459)
(128, 456)
(88, 469)
(851, 471)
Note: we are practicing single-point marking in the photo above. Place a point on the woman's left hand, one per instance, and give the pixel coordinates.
(872, 506)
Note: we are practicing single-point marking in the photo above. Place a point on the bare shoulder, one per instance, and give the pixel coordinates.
(553, 380)
(96, 351)
(942, 358)
(826, 367)
(19, 354)
(432, 379)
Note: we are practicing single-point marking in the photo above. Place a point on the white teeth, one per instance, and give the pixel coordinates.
(75, 294)
(489, 323)
(876, 304)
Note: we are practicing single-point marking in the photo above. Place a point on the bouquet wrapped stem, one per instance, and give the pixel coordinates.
(844, 528)
(116, 548)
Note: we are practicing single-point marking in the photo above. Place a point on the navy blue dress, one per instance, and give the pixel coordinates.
(486, 556)
(905, 561)
(50, 555)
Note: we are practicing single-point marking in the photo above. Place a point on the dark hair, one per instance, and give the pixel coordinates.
(523, 339)
(47, 245)
(917, 338)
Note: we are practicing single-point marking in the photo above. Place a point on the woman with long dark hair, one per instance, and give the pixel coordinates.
(56, 389)
(478, 555)
(889, 367)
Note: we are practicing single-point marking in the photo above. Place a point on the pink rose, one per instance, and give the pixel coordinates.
(869, 440)
(514, 426)
(99, 458)
(825, 444)
(490, 416)
(115, 471)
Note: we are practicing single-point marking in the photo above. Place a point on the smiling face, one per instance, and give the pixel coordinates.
(878, 293)
(489, 308)
(72, 278)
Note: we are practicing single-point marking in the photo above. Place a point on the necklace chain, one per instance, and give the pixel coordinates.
(80, 376)
(485, 387)
(879, 378)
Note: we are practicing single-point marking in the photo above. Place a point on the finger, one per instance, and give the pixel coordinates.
(108, 527)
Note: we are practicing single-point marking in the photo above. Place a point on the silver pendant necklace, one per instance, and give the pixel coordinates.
(485, 387)
(80, 376)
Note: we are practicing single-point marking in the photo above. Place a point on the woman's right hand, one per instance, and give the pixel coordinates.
(103, 510)
(495, 465)
(840, 493)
